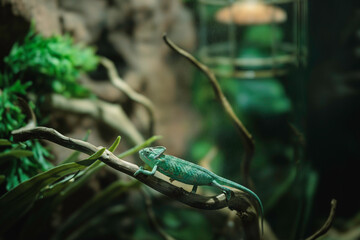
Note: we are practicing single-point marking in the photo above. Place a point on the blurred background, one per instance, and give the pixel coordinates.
(289, 68)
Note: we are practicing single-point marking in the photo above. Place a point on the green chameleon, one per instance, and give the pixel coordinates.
(188, 173)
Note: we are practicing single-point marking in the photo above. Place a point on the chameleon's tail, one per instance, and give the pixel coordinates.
(226, 182)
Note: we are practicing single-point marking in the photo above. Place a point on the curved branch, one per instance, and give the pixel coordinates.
(193, 200)
(325, 228)
(108, 113)
(240, 202)
(133, 95)
(244, 133)
(152, 217)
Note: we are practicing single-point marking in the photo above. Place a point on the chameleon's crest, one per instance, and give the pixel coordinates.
(151, 154)
(158, 151)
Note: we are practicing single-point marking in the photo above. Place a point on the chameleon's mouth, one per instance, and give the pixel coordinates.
(142, 154)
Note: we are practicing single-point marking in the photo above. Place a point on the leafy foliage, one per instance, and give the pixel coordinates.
(18, 161)
(11, 115)
(18, 164)
(263, 98)
(33, 202)
(17, 202)
(39, 65)
(53, 63)
(254, 35)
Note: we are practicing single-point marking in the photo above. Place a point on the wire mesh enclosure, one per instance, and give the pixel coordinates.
(252, 38)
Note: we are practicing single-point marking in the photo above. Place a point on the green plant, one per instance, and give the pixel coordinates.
(254, 36)
(18, 161)
(37, 66)
(53, 64)
(33, 202)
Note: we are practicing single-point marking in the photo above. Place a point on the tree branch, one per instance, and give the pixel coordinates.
(325, 228)
(160, 185)
(108, 113)
(244, 134)
(240, 202)
(133, 95)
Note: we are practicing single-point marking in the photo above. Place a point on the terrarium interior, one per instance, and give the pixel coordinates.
(263, 93)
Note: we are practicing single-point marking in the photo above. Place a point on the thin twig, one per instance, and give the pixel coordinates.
(325, 228)
(28, 111)
(177, 193)
(133, 95)
(246, 137)
(152, 217)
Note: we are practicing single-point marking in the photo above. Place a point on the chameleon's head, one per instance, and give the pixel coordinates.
(150, 155)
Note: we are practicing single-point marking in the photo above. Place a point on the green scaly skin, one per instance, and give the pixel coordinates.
(189, 173)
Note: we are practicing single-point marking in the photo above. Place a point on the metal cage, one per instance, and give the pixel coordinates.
(252, 38)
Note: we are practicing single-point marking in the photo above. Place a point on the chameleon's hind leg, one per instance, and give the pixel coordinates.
(225, 190)
(194, 189)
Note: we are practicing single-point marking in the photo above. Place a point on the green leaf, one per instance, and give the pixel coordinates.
(17, 153)
(22, 175)
(55, 194)
(254, 35)
(263, 97)
(2, 179)
(12, 179)
(62, 190)
(89, 229)
(15, 203)
(39, 154)
(281, 189)
(5, 142)
(139, 147)
(115, 144)
(97, 154)
(75, 155)
(95, 206)
(57, 187)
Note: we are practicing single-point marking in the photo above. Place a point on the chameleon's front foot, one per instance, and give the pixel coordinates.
(141, 169)
(146, 172)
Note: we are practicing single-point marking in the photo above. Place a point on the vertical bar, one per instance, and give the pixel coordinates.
(274, 44)
(305, 32)
(232, 38)
(202, 29)
(295, 31)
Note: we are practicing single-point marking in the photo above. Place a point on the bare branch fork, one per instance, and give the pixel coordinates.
(246, 137)
(119, 83)
(104, 112)
(238, 203)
